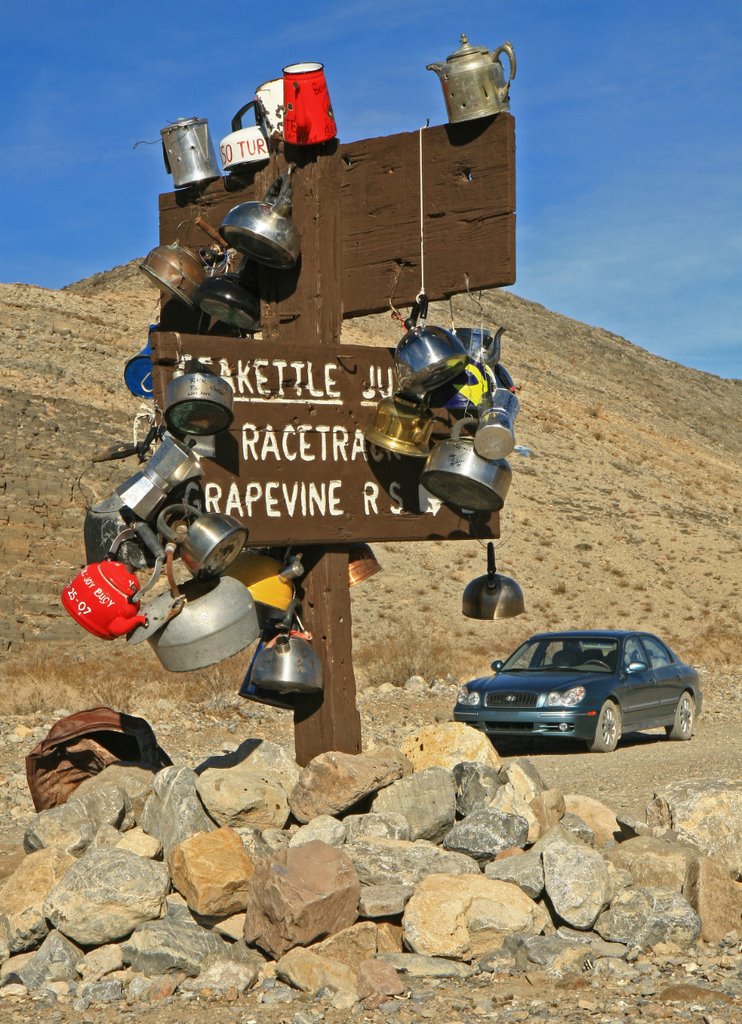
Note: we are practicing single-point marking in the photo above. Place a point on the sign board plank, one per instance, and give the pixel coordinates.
(469, 215)
(294, 466)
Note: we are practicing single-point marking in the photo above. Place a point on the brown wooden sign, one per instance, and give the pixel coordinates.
(295, 467)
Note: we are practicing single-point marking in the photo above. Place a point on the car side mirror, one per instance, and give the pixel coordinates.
(637, 666)
(497, 665)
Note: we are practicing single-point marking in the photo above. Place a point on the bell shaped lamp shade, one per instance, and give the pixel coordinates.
(492, 596)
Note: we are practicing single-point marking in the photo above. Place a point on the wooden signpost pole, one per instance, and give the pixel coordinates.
(294, 465)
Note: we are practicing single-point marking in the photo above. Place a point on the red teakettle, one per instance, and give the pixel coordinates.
(102, 599)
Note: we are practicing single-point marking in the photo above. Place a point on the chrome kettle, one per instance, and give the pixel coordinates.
(287, 663)
(473, 81)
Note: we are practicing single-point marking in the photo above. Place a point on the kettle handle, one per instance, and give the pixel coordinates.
(279, 193)
(237, 119)
(506, 48)
(460, 424)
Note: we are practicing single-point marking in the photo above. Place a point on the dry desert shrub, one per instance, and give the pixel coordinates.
(394, 657)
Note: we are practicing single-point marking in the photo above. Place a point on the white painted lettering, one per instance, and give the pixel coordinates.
(310, 383)
(249, 441)
(359, 447)
(270, 445)
(333, 498)
(253, 493)
(287, 454)
(234, 504)
(260, 378)
(271, 502)
(394, 491)
(280, 365)
(317, 498)
(290, 502)
(212, 497)
(297, 386)
(370, 497)
(323, 432)
(339, 444)
(304, 453)
(330, 382)
(243, 378)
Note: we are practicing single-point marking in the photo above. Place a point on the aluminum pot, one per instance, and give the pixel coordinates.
(427, 357)
(217, 619)
(176, 270)
(198, 401)
(401, 426)
(456, 474)
(495, 436)
(264, 230)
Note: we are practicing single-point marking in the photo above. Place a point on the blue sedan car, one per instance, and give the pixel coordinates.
(591, 685)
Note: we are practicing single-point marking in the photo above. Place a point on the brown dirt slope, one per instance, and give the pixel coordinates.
(627, 514)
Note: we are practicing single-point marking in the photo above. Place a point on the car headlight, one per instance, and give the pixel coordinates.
(468, 697)
(565, 698)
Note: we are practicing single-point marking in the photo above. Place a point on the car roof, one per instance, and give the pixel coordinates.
(613, 634)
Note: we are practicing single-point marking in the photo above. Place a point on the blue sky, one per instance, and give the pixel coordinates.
(628, 127)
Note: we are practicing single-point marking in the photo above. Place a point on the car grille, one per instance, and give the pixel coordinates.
(510, 700)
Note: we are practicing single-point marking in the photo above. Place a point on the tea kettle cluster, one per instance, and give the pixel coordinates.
(209, 595)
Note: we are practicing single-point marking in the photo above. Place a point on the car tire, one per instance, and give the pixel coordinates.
(685, 719)
(607, 729)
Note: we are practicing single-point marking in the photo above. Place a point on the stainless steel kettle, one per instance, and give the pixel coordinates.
(493, 596)
(264, 230)
(473, 81)
(287, 663)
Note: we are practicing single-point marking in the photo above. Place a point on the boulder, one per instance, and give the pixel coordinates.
(134, 780)
(351, 946)
(384, 900)
(705, 812)
(104, 802)
(260, 756)
(461, 917)
(305, 970)
(526, 871)
(645, 917)
(596, 815)
(486, 832)
(654, 863)
(715, 897)
(334, 781)
(173, 945)
(222, 978)
(55, 960)
(100, 961)
(557, 955)
(63, 828)
(137, 841)
(548, 808)
(212, 870)
(376, 826)
(509, 801)
(300, 895)
(105, 895)
(576, 880)
(446, 744)
(174, 812)
(426, 799)
(244, 796)
(376, 979)
(524, 777)
(476, 785)
(22, 897)
(416, 965)
(378, 860)
(324, 829)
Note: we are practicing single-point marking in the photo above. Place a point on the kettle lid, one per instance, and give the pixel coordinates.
(469, 53)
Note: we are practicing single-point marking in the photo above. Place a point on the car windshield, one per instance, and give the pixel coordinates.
(564, 654)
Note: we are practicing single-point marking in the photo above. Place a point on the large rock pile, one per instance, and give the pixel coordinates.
(351, 875)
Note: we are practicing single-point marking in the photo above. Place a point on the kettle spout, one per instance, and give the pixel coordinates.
(438, 68)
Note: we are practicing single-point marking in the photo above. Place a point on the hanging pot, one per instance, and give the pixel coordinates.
(495, 436)
(225, 299)
(401, 425)
(198, 401)
(138, 370)
(244, 145)
(176, 270)
(427, 357)
(217, 619)
(455, 473)
(208, 542)
(189, 152)
(493, 596)
(269, 582)
(362, 564)
(264, 230)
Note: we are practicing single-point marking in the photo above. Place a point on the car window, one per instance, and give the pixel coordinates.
(565, 653)
(633, 651)
(658, 654)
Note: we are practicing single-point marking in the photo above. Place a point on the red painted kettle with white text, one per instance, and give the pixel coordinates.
(103, 599)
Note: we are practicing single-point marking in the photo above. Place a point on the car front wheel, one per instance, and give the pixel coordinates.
(607, 730)
(685, 717)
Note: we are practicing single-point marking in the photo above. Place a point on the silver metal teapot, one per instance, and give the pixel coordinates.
(473, 81)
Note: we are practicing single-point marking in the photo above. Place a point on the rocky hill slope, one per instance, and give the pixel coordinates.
(627, 513)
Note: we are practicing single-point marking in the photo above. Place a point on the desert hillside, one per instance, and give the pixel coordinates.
(626, 514)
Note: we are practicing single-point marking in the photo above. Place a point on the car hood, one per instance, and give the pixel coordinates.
(537, 682)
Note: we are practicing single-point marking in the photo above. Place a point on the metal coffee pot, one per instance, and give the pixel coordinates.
(173, 463)
(495, 436)
(207, 542)
(473, 81)
(189, 152)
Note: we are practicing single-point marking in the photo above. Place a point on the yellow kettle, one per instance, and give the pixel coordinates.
(269, 582)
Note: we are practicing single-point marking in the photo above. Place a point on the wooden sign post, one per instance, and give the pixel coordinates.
(294, 466)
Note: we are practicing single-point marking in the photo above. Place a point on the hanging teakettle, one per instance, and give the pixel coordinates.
(493, 596)
(208, 542)
(426, 356)
(456, 474)
(264, 230)
(198, 401)
(401, 425)
(288, 663)
(189, 152)
(473, 81)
